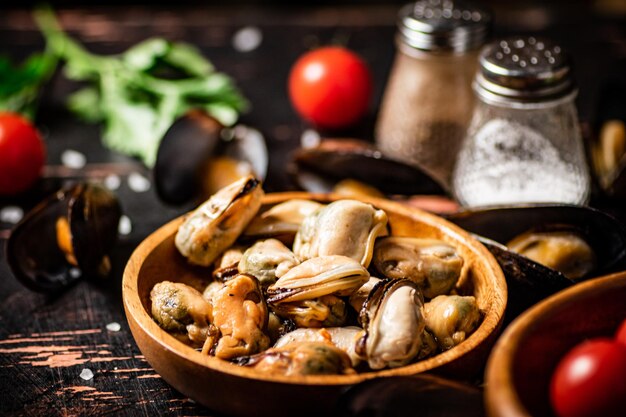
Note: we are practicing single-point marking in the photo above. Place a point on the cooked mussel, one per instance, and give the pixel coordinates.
(281, 221)
(317, 277)
(267, 260)
(432, 264)
(604, 234)
(324, 311)
(239, 319)
(217, 223)
(319, 168)
(182, 311)
(451, 319)
(67, 236)
(393, 318)
(529, 281)
(198, 156)
(344, 227)
(342, 337)
(301, 358)
(562, 249)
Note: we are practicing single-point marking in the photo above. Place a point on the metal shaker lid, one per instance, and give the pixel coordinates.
(524, 69)
(443, 25)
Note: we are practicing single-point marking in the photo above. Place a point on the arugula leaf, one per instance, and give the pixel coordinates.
(140, 93)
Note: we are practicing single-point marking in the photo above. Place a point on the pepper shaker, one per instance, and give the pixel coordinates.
(428, 99)
(524, 142)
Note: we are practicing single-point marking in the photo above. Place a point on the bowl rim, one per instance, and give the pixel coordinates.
(501, 399)
(490, 324)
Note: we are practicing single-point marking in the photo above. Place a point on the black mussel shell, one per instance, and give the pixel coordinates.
(33, 253)
(189, 145)
(611, 107)
(182, 153)
(605, 234)
(528, 282)
(424, 395)
(319, 168)
(94, 215)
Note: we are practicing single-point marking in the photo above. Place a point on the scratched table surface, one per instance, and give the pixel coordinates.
(48, 342)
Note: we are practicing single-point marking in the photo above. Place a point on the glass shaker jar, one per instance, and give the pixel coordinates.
(428, 99)
(524, 142)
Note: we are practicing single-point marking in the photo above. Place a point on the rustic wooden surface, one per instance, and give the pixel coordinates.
(45, 341)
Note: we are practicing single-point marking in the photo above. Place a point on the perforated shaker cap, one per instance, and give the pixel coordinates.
(524, 69)
(443, 25)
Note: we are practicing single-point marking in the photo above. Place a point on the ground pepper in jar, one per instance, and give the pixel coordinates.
(428, 100)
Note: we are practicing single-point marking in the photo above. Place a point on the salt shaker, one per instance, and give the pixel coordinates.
(428, 99)
(524, 142)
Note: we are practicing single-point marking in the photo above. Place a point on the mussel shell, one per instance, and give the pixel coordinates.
(94, 215)
(605, 234)
(318, 169)
(182, 153)
(189, 145)
(33, 253)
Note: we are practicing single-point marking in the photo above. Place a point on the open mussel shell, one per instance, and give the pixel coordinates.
(198, 156)
(33, 252)
(606, 138)
(423, 395)
(319, 168)
(605, 234)
(529, 281)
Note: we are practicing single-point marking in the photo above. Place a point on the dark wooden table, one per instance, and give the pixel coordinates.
(47, 342)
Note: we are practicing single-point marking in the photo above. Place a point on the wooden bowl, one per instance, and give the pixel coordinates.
(522, 362)
(236, 390)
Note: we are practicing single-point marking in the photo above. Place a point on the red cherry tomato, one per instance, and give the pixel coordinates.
(620, 336)
(590, 380)
(22, 154)
(330, 87)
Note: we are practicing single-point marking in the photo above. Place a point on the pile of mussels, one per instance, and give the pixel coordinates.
(345, 297)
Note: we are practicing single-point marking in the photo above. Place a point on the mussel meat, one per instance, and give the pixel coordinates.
(67, 236)
(432, 264)
(217, 223)
(562, 250)
(317, 277)
(240, 318)
(393, 318)
(344, 227)
(282, 221)
(303, 358)
(451, 319)
(325, 311)
(182, 311)
(342, 337)
(267, 260)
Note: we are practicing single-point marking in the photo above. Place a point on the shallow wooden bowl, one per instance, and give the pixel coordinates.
(522, 362)
(236, 390)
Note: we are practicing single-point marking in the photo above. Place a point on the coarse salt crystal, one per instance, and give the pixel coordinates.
(310, 138)
(113, 327)
(73, 159)
(138, 183)
(75, 272)
(247, 39)
(125, 226)
(11, 214)
(112, 182)
(86, 374)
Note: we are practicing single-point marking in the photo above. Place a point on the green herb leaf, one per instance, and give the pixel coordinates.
(140, 93)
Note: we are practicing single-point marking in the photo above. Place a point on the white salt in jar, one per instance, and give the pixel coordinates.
(524, 143)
